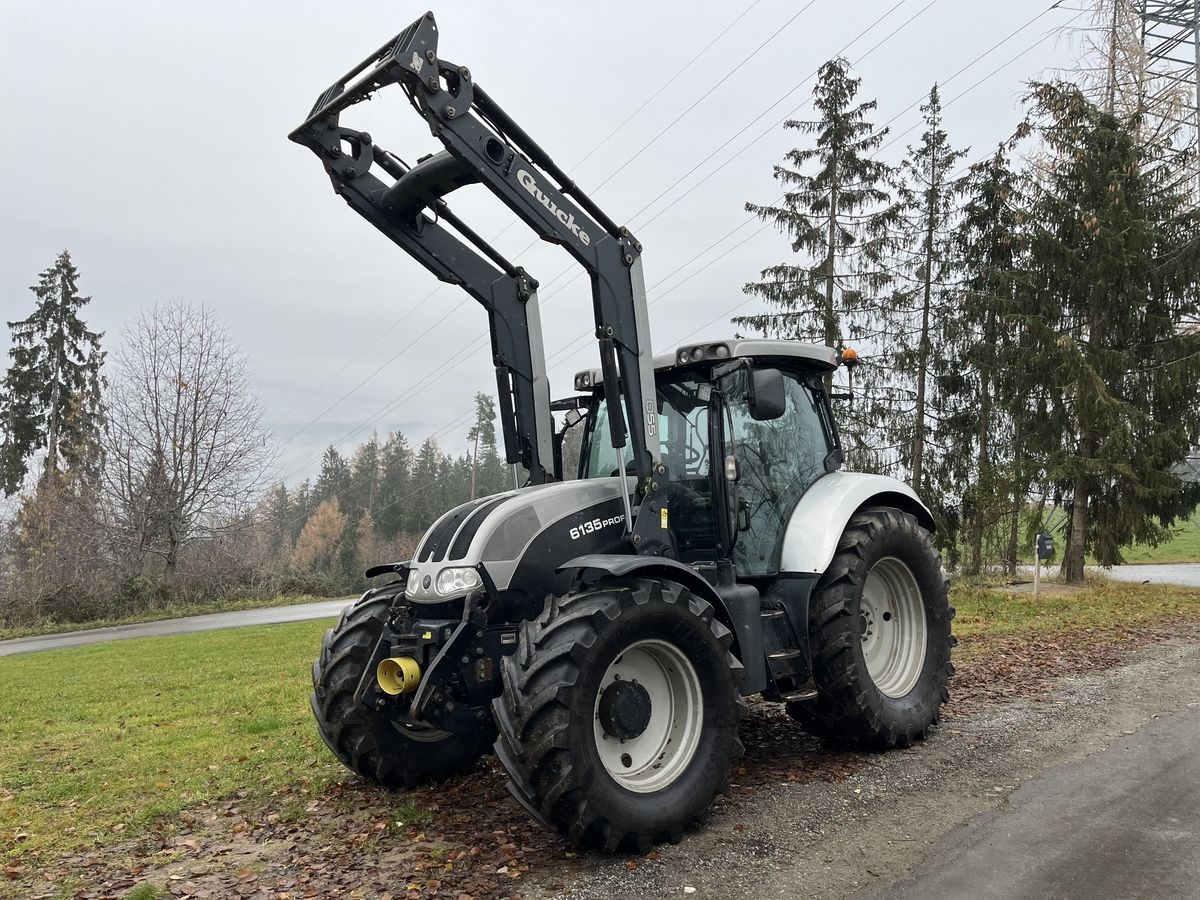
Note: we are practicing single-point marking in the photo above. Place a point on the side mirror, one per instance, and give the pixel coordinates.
(768, 398)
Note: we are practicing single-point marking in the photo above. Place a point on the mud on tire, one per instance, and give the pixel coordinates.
(367, 743)
(850, 707)
(548, 716)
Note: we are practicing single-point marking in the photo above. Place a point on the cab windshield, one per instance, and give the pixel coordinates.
(778, 460)
(682, 429)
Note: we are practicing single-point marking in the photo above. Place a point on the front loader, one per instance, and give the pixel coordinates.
(597, 629)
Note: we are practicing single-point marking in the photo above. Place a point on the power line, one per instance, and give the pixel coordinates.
(383, 366)
(724, 31)
(403, 318)
(454, 363)
(351, 361)
(710, 91)
(766, 111)
(462, 357)
(791, 91)
(992, 73)
(412, 391)
(747, 221)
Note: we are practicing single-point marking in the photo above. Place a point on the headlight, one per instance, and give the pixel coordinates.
(457, 581)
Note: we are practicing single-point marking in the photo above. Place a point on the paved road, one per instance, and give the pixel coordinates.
(270, 616)
(1179, 573)
(1174, 573)
(1186, 574)
(1122, 823)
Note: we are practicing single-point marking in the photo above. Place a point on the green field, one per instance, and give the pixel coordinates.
(1104, 611)
(105, 741)
(1184, 546)
(101, 740)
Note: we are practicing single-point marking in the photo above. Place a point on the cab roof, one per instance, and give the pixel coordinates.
(816, 355)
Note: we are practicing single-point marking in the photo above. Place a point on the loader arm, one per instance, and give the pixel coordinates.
(484, 145)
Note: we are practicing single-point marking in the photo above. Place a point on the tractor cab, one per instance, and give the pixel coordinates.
(745, 428)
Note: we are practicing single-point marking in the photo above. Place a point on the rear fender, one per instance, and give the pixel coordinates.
(820, 517)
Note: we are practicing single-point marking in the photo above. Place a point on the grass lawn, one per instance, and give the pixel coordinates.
(104, 741)
(1184, 547)
(1103, 611)
(101, 740)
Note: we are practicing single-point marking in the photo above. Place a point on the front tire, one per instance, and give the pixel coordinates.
(880, 635)
(368, 743)
(618, 718)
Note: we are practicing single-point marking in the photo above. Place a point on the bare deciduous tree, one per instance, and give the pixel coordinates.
(187, 449)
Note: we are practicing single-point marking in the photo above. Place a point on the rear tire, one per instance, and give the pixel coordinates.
(633, 657)
(367, 743)
(880, 635)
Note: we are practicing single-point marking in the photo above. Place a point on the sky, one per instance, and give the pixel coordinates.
(150, 139)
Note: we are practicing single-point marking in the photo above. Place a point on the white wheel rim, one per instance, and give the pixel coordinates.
(660, 754)
(893, 628)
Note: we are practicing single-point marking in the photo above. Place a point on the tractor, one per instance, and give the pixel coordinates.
(599, 629)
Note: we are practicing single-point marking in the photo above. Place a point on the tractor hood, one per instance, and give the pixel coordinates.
(526, 532)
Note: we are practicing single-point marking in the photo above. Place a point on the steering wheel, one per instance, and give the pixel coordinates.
(630, 469)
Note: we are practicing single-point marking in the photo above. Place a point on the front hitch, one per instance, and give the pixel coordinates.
(439, 673)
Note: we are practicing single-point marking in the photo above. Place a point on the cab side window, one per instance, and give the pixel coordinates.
(779, 460)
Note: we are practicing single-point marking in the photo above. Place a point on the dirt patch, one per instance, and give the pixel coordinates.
(1048, 589)
(467, 838)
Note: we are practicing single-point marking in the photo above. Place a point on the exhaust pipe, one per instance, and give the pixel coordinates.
(398, 675)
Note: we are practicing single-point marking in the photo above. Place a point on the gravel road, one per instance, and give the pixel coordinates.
(1092, 792)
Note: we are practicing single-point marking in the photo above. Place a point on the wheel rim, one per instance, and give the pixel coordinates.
(893, 628)
(421, 734)
(663, 750)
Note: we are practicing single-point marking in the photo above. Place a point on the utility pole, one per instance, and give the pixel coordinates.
(1171, 42)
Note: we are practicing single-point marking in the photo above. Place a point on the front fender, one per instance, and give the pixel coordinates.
(624, 564)
(739, 609)
(818, 520)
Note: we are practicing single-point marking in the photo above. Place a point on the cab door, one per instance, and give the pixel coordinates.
(778, 460)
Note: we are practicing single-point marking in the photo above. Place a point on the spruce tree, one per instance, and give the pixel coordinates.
(362, 489)
(457, 473)
(1113, 259)
(51, 397)
(836, 212)
(395, 485)
(333, 479)
(922, 306)
(274, 517)
(485, 460)
(979, 398)
(300, 506)
(429, 487)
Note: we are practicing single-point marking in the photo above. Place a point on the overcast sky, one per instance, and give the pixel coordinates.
(150, 139)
